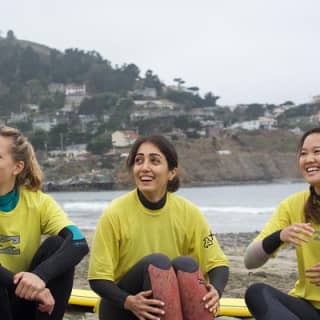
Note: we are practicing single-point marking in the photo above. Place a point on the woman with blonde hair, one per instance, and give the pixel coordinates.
(35, 278)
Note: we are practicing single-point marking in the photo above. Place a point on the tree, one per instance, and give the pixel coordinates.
(151, 80)
(30, 65)
(210, 100)
(10, 35)
(180, 82)
(39, 139)
(100, 144)
(194, 89)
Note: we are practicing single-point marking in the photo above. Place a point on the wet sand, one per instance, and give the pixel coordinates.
(279, 272)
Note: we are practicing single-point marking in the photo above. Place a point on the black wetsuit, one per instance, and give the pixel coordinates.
(54, 263)
(268, 303)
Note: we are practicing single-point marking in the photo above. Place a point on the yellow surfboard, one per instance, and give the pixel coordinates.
(235, 307)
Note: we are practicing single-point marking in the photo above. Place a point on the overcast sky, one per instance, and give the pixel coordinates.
(245, 51)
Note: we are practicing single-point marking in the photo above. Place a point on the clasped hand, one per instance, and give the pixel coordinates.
(33, 288)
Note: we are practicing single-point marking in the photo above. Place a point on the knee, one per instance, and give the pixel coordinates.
(159, 260)
(254, 291)
(185, 263)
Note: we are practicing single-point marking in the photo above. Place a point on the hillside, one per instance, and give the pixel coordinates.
(263, 156)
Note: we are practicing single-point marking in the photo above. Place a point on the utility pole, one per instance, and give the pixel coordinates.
(61, 141)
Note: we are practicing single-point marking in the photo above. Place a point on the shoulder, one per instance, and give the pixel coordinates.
(183, 204)
(34, 198)
(120, 204)
(123, 200)
(298, 198)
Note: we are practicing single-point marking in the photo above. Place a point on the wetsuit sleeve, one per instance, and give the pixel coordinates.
(272, 242)
(6, 278)
(109, 290)
(218, 277)
(73, 249)
(259, 251)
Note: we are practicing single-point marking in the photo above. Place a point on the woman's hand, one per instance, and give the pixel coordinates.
(144, 307)
(28, 285)
(212, 299)
(313, 274)
(46, 301)
(297, 233)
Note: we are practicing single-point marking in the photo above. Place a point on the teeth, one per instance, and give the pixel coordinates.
(312, 169)
(146, 178)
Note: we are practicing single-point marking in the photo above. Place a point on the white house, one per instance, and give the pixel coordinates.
(146, 92)
(123, 138)
(247, 125)
(75, 90)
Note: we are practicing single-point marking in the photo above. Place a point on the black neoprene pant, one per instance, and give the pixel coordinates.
(137, 280)
(268, 303)
(14, 308)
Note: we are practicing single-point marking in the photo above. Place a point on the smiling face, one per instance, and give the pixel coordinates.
(9, 169)
(150, 172)
(309, 160)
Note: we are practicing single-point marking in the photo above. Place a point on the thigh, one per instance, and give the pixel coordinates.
(137, 278)
(5, 305)
(266, 302)
(23, 309)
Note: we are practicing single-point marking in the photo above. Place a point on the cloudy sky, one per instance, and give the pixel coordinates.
(245, 51)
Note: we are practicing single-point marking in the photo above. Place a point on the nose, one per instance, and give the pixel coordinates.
(145, 165)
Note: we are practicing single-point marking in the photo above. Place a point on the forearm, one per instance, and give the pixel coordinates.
(110, 291)
(259, 252)
(67, 256)
(218, 277)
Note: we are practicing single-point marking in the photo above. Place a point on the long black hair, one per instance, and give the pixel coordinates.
(312, 205)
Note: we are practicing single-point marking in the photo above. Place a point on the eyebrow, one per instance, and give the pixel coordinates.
(150, 154)
(313, 147)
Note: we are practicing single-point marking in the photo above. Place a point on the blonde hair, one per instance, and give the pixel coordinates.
(21, 150)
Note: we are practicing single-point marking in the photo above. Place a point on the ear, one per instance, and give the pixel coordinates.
(172, 174)
(19, 166)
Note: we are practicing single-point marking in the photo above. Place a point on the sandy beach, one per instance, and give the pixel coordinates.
(279, 272)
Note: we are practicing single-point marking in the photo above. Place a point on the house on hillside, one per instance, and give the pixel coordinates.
(56, 87)
(247, 125)
(18, 117)
(72, 89)
(146, 92)
(267, 122)
(155, 104)
(44, 123)
(75, 94)
(123, 138)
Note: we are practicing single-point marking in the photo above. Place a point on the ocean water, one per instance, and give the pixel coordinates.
(236, 208)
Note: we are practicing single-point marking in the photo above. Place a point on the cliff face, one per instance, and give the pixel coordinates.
(227, 158)
(264, 156)
(211, 169)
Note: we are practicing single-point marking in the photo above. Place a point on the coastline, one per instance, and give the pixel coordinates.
(279, 272)
(85, 187)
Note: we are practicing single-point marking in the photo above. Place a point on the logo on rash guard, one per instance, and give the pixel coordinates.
(9, 244)
(208, 240)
